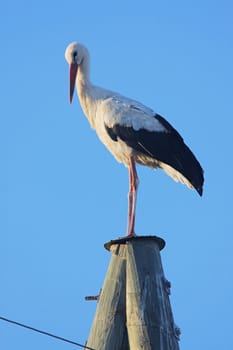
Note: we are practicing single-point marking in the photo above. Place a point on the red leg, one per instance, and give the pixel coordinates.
(129, 202)
(132, 196)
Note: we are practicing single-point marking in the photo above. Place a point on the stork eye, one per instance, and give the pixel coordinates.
(75, 54)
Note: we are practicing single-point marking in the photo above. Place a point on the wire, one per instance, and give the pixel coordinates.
(45, 333)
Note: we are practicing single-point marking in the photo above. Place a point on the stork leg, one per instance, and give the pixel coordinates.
(132, 195)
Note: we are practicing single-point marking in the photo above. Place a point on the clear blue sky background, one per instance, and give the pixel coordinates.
(63, 195)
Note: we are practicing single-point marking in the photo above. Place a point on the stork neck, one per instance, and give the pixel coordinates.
(84, 72)
(85, 89)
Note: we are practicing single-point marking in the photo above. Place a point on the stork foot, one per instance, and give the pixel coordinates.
(131, 234)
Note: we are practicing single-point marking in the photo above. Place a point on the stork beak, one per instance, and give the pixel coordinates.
(73, 74)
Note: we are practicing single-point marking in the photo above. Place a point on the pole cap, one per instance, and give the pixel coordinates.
(124, 240)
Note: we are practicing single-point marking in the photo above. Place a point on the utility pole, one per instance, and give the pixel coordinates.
(134, 311)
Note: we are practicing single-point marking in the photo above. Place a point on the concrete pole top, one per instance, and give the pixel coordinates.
(124, 240)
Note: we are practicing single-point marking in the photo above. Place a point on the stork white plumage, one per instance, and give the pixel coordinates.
(132, 132)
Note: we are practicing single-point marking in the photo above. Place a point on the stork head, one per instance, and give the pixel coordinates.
(74, 55)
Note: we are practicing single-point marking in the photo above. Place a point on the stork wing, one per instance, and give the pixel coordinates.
(166, 146)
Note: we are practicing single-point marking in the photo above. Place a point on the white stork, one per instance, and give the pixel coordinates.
(132, 132)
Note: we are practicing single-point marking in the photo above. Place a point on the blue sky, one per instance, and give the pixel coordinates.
(63, 195)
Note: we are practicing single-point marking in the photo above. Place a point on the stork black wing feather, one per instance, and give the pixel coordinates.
(167, 147)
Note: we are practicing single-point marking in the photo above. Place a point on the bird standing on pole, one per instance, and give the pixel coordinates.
(132, 132)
